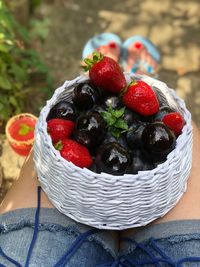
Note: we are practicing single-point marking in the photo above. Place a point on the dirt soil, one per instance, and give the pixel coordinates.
(173, 26)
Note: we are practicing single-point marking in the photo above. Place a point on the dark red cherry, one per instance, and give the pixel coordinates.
(109, 138)
(157, 141)
(90, 129)
(63, 110)
(85, 96)
(112, 158)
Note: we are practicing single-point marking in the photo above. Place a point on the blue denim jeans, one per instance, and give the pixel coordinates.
(45, 237)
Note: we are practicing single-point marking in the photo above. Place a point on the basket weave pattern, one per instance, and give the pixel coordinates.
(105, 201)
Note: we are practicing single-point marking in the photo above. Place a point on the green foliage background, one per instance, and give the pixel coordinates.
(19, 64)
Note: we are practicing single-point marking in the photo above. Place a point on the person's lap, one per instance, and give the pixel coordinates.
(56, 233)
(177, 234)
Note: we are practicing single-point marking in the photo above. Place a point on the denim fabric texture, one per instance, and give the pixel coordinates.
(56, 234)
(175, 243)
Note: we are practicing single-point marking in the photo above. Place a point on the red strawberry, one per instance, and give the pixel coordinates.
(106, 73)
(141, 98)
(60, 129)
(75, 153)
(174, 121)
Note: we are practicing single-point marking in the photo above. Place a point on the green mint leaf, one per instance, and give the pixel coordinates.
(119, 112)
(110, 120)
(115, 132)
(110, 109)
(115, 121)
(121, 124)
(106, 115)
(25, 129)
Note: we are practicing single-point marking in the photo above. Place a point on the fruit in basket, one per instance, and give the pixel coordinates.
(113, 101)
(75, 153)
(89, 129)
(131, 117)
(141, 98)
(126, 129)
(63, 110)
(109, 138)
(174, 121)
(59, 129)
(85, 95)
(157, 141)
(114, 119)
(134, 135)
(112, 158)
(105, 73)
(121, 140)
(140, 162)
(162, 112)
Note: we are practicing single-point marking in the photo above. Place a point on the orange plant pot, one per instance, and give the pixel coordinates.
(20, 132)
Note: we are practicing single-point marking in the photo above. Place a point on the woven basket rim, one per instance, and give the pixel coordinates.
(11, 121)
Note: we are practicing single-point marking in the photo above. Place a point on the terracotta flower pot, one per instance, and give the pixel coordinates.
(20, 132)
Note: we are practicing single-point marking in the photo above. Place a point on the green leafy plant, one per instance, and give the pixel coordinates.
(34, 4)
(19, 65)
(115, 121)
(40, 28)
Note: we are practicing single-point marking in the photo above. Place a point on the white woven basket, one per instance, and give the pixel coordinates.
(105, 201)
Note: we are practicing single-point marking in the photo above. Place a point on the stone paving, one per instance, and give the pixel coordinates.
(174, 26)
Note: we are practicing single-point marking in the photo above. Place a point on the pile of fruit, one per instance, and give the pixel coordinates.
(111, 126)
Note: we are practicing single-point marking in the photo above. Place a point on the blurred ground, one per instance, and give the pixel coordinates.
(174, 26)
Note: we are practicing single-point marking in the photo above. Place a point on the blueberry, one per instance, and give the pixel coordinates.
(134, 135)
(162, 112)
(139, 163)
(131, 117)
(147, 119)
(63, 110)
